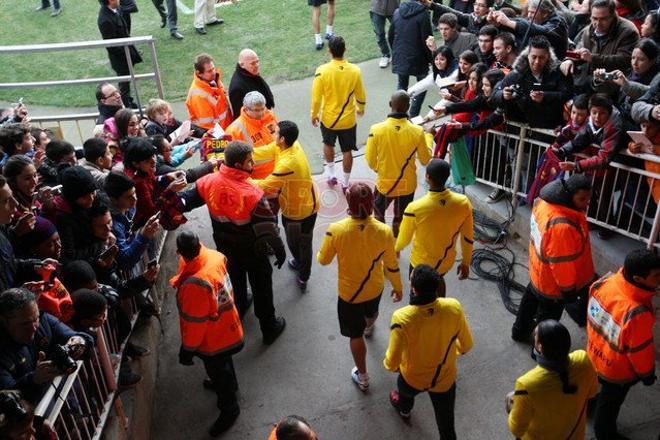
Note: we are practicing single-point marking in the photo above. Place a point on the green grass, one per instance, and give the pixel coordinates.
(279, 30)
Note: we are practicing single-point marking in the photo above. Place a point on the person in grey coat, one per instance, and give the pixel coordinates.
(411, 26)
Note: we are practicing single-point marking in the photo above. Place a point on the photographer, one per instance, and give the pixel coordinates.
(535, 90)
(36, 347)
(18, 421)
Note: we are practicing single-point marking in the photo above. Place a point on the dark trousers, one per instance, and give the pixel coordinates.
(608, 404)
(299, 235)
(46, 3)
(243, 263)
(382, 202)
(379, 29)
(171, 13)
(443, 406)
(221, 371)
(121, 69)
(418, 100)
(534, 308)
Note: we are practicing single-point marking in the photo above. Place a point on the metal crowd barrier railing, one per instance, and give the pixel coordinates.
(77, 405)
(623, 199)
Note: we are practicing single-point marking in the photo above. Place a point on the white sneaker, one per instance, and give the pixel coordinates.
(384, 62)
(361, 380)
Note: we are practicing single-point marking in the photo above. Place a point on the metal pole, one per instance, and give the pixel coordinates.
(127, 52)
(516, 173)
(654, 231)
(156, 69)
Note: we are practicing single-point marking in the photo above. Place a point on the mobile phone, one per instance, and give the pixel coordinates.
(107, 252)
(56, 190)
(151, 264)
(157, 215)
(572, 54)
(537, 87)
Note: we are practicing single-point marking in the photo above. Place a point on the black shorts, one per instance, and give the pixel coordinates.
(318, 2)
(352, 317)
(347, 138)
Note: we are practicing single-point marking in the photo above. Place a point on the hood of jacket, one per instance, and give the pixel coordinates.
(410, 9)
(521, 64)
(561, 191)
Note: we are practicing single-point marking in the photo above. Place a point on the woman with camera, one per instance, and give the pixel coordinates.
(644, 64)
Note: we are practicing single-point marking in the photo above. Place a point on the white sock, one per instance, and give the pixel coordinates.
(330, 169)
(347, 176)
(328, 29)
(318, 38)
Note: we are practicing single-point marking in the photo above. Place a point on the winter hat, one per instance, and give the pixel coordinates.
(42, 231)
(360, 200)
(76, 182)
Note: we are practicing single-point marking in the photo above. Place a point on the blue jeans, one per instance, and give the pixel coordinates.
(379, 29)
(417, 101)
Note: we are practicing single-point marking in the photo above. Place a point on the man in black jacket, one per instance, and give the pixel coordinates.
(111, 24)
(246, 78)
(28, 338)
(411, 26)
(535, 90)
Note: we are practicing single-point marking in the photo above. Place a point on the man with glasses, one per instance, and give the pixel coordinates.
(108, 101)
(542, 19)
(485, 40)
(607, 43)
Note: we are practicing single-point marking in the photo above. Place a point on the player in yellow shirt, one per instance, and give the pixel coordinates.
(337, 96)
(365, 255)
(425, 339)
(550, 401)
(434, 223)
(291, 181)
(392, 146)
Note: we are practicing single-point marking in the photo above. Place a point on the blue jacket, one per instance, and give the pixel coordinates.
(131, 244)
(18, 362)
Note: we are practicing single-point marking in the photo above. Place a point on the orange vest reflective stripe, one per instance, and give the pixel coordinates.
(256, 133)
(208, 105)
(620, 322)
(229, 196)
(209, 321)
(273, 434)
(559, 250)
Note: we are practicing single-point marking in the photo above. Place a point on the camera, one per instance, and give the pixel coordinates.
(516, 91)
(610, 76)
(11, 407)
(60, 355)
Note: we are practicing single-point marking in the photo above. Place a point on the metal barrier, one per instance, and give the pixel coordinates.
(67, 130)
(623, 198)
(77, 405)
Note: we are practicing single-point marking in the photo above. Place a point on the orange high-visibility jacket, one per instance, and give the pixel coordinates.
(559, 250)
(256, 133)
(207, 105)
(620, 322)
(208, 318)
(229, 195)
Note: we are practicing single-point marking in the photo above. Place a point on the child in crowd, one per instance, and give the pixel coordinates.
(91, 311)
(58, 154)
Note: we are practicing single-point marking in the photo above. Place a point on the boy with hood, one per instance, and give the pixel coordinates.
(560, 264)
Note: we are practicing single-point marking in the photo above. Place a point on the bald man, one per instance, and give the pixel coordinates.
(247, 78)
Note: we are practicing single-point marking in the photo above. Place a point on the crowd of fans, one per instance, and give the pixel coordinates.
(75, 221)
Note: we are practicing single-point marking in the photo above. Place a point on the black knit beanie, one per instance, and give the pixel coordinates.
(76, 182)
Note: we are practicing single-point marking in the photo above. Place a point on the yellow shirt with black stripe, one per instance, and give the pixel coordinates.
(391, 149)
(425, 341)
(291, 181)
(365, 255)
(337, 92)
(435, 221)
(542, 410)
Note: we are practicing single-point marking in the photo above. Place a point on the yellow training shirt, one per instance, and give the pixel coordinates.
(336, 92)
(292, 180)
(541, 410)
(391, 149)
(365, 250)
(424, 343)
(435, 221)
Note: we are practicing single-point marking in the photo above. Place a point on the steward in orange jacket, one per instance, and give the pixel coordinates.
(206, 102)
(243, 228)
(293, 427)
(560, 265)
(210, 326)
(256, 126)
(620, 334)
